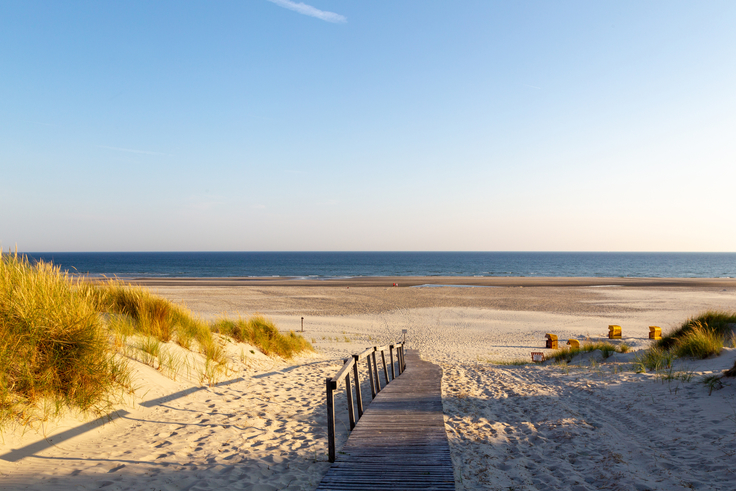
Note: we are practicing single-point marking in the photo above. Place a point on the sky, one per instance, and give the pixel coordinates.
(277, 125)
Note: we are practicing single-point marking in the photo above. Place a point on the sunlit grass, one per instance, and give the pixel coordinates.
(63, 342)
(567, 353)
(262, 332)
(54, 348)
(698, 337)
(719, 322)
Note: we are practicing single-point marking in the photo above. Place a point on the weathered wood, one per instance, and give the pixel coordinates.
(358, 394)
(385, 370)
(370, 376)
(375, 366)
(365, 353)
(351, 406)
(331, 418)
(344, 371)
(391, 357)
(400, 442)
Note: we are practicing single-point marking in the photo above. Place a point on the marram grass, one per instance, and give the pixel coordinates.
(568, 353)
(260, 331)
(719, 322)
(53, 345)
(59, 338)
(701, 336)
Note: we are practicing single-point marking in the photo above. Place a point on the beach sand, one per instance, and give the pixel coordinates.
(510, 427)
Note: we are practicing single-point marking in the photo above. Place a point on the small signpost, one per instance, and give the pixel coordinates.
(302, 324)
(537, 357)
(404, 331)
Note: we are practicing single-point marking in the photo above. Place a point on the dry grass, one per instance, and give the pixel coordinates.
(59, 338)
(261, 332)
(719, 322)
(566, 354)
(699, 342)
(149, 315)
(54, 349)
(701, 336)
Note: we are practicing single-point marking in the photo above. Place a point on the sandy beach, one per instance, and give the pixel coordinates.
(591, 426)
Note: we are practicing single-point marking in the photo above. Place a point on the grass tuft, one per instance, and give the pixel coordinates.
(699, 342)
(262, 332)
(700, 337)
(655, 359)
(566, 354)
(717, 321)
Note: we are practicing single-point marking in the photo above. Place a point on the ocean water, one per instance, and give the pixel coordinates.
(320, 265)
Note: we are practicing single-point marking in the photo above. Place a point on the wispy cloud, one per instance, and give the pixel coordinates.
(305, 9)
(130, 150)
(532, 86)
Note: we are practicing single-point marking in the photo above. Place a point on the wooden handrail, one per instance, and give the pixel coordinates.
(351, 364)
(344, 371)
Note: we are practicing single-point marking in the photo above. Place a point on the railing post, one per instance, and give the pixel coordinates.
(370, 375)
(375, 365)
(351, 407)
(403, 357)
(391, 357)
(331, 418)
(385, 370)
(358, 395)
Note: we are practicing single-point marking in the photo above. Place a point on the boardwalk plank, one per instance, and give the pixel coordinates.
(400, 442)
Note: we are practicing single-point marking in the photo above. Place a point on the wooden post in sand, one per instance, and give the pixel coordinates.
(375, 365)
(351, 407)
(391, 358)
(370, 376)
(385, 369)
(331, 386)
(358, 395)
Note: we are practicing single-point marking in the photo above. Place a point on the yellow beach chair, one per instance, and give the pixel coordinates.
(614, 332)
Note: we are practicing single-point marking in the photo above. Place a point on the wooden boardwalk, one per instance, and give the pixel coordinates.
(400, 442)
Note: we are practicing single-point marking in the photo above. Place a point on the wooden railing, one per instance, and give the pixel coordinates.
(351, 365)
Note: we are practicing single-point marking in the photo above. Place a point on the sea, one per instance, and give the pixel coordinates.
(325, 265)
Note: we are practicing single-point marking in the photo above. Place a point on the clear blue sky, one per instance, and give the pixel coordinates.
(373, 125)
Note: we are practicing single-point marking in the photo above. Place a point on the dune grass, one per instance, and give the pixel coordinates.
(59, 338)
(699, 337)
(53, 344)
(699, 342)
(567, 353)
(260, 331)
(655, 359)
(146, 314)
(718, 322)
